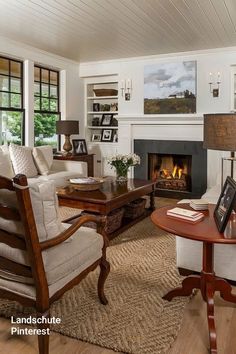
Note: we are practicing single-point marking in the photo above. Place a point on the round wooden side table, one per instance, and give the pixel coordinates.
(206, 232)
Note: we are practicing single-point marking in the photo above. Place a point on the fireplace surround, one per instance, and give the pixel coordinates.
(192, 180)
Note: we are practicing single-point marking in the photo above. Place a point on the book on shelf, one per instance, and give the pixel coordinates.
(185, 215)
(198, 204)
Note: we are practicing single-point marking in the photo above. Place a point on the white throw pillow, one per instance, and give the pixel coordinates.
(6, 169)
(22, 160)
(43, 157)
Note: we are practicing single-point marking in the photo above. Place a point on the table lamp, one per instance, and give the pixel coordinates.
(67, 127)
(220, 134)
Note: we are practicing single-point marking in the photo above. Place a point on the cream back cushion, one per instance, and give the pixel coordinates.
(22, 160)
(6, 168)
(45, 207)
(43, 157)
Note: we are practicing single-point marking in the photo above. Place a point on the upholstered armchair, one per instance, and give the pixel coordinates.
(42, 258)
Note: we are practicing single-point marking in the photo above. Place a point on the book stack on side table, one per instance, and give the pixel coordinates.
(189, 216)
(199, 204)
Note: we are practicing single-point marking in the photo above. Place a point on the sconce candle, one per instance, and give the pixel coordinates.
(214, 82)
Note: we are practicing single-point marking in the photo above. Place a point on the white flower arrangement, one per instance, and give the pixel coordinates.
(123, 162)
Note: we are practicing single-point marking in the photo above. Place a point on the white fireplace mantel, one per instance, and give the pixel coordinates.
(148, 119)
(161, 127)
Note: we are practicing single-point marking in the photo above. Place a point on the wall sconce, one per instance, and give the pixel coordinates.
(126, 89)
(215, 91)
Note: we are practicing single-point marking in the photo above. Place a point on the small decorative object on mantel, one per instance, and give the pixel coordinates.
(122, 163)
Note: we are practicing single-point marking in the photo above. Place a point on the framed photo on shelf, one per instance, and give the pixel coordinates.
(107, 135)
(79, 147)
(96, 107)
(225, 204)
(106, 119)
(96, 137)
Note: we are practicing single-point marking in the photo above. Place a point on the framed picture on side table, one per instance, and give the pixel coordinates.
(79, 147)
(225, 204)
(107, 135)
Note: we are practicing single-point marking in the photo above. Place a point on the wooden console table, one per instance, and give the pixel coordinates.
(206, 232)
(85, 158)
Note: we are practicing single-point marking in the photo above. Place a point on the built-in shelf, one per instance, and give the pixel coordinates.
(102, 140)
(103, 112)
(102, 97)
(95, 127)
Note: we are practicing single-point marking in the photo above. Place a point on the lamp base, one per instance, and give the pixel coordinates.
(67, 147)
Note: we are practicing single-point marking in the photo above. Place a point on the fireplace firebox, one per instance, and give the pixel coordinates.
(178, 167)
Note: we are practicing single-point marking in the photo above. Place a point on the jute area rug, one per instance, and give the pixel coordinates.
(136, 320)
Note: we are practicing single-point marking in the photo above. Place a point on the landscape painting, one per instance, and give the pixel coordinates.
(170, 88)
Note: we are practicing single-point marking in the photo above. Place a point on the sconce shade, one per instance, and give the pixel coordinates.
(220, 131)
(67, 127)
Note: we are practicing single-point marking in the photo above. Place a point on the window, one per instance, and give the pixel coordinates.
(11, 101)
(46, 106)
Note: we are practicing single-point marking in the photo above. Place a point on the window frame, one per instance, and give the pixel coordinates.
(9, 92)
(40, 82)
(40, 96)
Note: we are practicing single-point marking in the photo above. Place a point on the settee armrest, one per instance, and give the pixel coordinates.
(79, 167)
(63, 236)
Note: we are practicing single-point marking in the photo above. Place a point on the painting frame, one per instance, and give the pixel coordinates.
(79, 147)
(170, 87)
(225, 204)
(107, 135)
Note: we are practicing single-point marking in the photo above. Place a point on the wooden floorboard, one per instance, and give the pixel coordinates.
(192, 338)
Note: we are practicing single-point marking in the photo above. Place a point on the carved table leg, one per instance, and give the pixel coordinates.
(225, 290)
(210, 317)
(188, 284)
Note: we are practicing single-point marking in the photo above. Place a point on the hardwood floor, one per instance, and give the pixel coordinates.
(192, 338)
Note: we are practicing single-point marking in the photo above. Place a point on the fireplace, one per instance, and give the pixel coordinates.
(178, 167)
(170, 171)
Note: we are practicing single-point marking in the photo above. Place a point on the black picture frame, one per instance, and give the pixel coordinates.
(225, 204)
(107, 135)
(96, 137)
(79, 147)
(107, 119)
(96, 107)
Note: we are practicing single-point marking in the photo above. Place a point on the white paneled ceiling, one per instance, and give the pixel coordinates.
(90, 30)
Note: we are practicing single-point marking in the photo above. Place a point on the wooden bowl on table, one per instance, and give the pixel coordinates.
(86, 183)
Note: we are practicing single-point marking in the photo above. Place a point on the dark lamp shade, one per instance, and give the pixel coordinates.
(220, 131)
(67, 127)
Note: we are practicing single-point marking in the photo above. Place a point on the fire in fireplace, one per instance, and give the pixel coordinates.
(170, 171)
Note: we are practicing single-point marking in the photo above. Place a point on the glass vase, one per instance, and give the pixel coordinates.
(122, 175)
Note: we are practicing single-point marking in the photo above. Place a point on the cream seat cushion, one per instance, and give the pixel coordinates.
(62, 263)
(60, 179)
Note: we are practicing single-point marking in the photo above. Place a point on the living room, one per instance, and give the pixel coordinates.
(133, 49)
